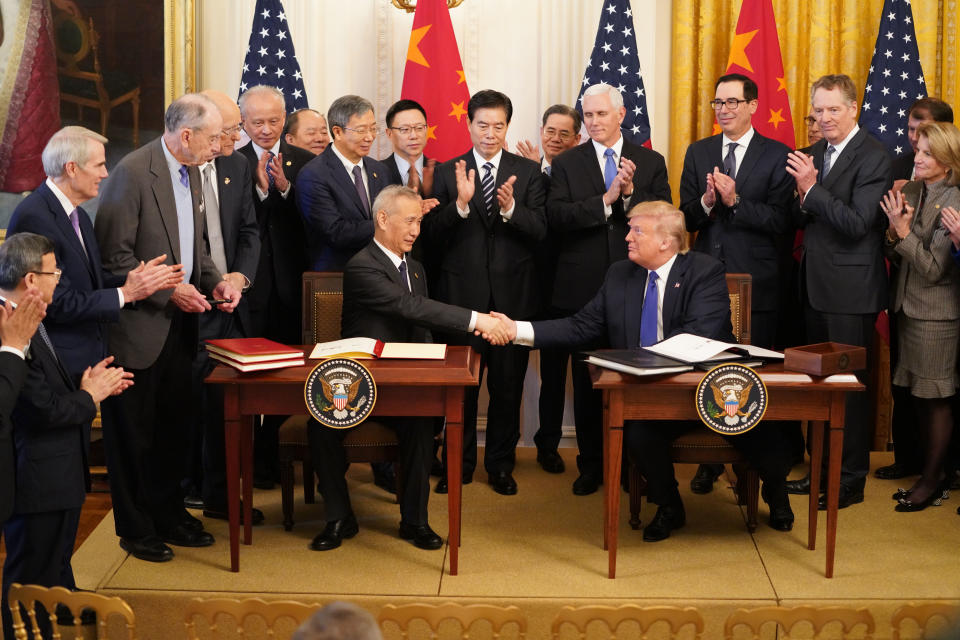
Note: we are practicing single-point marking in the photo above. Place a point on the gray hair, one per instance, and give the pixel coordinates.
(68, 145)
(261, 90)
(388, 196)
(603, 88)
(343, 108)
(20, 254)
(339, 621)
(189, 111)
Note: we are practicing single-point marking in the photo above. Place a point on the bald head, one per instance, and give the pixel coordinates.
(230, 113)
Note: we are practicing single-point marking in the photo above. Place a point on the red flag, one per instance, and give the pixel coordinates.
(756, 54)
(434, 78)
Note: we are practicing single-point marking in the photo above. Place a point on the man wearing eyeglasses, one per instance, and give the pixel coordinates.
(335, 189)
(592, 187)
(735, 193)
(275, 298)
(407, 132)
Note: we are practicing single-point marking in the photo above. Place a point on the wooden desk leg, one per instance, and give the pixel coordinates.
(231, 427)
(816, 462)
(606, 468)
(837, 417)
(613, 417)
(454, 440)
(246, 476)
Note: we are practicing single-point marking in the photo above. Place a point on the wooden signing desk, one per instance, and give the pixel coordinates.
(404, 388)
(793, 396)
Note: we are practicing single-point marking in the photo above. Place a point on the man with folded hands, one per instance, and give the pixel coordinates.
(385, 297)
(663, 289)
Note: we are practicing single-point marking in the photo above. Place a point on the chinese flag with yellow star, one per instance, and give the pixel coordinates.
(756, 54)
(434, 78)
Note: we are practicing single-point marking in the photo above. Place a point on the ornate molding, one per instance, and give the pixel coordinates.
(410, 5)
(179, 48)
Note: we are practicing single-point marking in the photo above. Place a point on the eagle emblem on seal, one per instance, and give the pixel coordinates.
(731, 399)
(340, 393)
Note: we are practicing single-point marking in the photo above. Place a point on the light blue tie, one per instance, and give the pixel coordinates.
(648, 315)
(184, 176)
(609, 168)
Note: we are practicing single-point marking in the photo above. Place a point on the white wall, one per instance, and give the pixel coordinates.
(532, 50)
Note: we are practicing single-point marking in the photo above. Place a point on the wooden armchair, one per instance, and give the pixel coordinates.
(471, 619)
(610, 618)
(237, 612)
(82, 81)
(27, 596)
(368, 442)
(703, 446)
(819, 618)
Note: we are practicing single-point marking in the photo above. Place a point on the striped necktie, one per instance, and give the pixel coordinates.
(487, 184)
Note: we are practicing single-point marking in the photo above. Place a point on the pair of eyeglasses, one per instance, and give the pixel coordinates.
(229, 131)
(405, 131)
(363, 131)
(56, 273)
(731, 103)
(563, 135)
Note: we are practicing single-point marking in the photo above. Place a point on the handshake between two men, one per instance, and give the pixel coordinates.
(496, 328)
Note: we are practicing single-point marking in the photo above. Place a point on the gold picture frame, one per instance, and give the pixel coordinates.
(179, 48)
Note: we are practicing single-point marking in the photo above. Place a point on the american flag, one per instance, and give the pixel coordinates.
(614, 60)
(895, 80)
(270, 57)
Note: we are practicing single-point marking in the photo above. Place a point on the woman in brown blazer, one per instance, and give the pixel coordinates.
(925, 296)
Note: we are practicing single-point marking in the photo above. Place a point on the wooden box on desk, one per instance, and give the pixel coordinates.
(825, 358)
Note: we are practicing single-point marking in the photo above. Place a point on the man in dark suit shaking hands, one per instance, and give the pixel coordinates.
(736, 194)
(840, 181)
(592, 187)
(489, 221)
(385, 297)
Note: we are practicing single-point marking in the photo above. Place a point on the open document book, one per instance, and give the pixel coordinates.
(366, 348)
(679, 353)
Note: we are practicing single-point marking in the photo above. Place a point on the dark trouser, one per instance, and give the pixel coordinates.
(648, 444)
(270, 317)
(857, 330)
(207, 467)
(416, 451)
(506, 366)
(39, 548)
(587, 409)
(145, 433)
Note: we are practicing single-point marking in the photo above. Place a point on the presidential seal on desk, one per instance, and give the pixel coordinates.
(340, 393)
(731, 399)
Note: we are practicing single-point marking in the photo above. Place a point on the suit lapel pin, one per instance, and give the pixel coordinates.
(415, 275)
(289, 162)
(226, 181)
(374, 175)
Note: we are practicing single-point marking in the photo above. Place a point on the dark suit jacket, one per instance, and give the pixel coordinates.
(51, 432)
(13, 371)
(337, 224)
(282, 239)
(376, 304)
(238, 221)
(743, 238)
(695, 301)
(588, 243)
(488, 262)
(86, 295)
(137, 220)
(902, 166)
(844, 226)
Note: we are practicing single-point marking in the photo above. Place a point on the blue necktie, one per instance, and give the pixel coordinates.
(184, 177)
(271, 181)
(648, 315)
(827, 161)
(609, 169)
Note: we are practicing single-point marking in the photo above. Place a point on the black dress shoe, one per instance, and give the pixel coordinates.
(585, 484)
(150, 548)
(192, 523)
(935, 499)
(192, 501)
(442, 482)
(183, 536)
(706, 475)
(894, 471)
(801, 487)
(222, 514)
(848, 496)
(503, 483)
(334, 533)
(421, 535)
(781, 515)
(385, 478)
(550, 461)
(668, 518)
